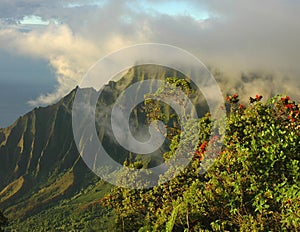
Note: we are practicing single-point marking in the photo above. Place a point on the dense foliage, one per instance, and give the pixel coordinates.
(3, 221)
(254, 185)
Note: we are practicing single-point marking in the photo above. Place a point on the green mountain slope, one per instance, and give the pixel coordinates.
(42, 176)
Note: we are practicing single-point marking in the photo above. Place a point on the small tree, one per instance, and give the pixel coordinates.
(174, 89)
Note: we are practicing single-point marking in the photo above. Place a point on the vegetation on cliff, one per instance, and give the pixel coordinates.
(254, 185)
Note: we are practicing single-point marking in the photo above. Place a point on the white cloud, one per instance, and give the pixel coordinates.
(68, 54)
(256, 36)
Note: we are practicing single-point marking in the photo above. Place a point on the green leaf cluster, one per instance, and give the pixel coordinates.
(254, 184)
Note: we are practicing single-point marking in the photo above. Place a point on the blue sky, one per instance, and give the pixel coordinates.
(22, 79)
(172, 8)
(47, 46)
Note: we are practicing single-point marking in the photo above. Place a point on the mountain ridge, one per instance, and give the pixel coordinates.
(39, 162)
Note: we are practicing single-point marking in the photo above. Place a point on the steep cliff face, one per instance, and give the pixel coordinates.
(39, 161)
(38, 158)
(37, 142)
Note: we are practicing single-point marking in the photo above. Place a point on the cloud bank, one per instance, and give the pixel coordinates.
(238, 38)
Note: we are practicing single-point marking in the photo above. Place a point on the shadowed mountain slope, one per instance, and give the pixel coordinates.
(40, 166)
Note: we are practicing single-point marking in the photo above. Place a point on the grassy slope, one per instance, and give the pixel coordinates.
(81, 212)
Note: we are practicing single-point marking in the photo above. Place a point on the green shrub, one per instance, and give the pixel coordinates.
(254, 185)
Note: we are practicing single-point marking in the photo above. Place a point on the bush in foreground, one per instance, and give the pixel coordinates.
(254, 185)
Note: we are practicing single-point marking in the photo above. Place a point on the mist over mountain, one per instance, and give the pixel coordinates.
(40, 165)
